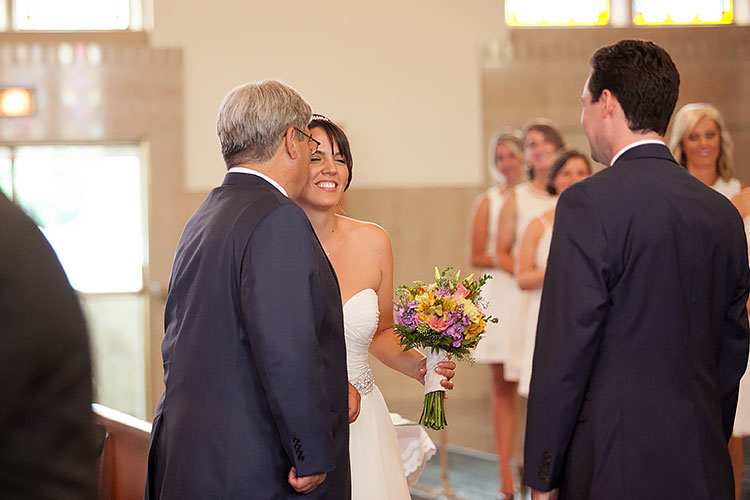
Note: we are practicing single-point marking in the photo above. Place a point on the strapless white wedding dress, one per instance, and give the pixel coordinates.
(377, 469)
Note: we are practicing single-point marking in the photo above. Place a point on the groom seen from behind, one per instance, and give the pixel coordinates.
(256, 396)
(643, 332)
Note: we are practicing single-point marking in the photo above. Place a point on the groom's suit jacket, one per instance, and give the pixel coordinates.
(642, 337)
(254, 355)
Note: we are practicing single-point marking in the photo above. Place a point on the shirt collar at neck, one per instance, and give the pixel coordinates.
(632, 145)
(245, 170)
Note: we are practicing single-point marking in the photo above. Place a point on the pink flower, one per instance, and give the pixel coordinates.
(438, 324)
(462, 292)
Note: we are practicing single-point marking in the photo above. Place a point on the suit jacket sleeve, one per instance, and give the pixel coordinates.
(734, 350)
(574, 305)
(280, 297)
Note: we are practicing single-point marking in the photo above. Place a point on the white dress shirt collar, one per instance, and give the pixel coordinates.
(634, 144)
(245, 170)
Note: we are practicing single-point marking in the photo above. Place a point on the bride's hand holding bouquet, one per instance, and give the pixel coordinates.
(445, 318)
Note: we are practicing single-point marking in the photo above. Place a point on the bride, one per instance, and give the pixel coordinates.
(361, 255)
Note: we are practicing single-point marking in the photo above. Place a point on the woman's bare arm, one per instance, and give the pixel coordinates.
(478, 241)
(506, 234)
(529, 276)
(385, 344)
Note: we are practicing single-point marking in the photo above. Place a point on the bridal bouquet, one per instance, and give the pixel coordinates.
(445, 318)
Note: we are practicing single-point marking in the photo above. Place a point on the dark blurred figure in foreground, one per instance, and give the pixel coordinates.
(47, 443)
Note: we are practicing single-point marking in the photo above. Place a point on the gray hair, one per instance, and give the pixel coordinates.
(254, 117)
(684, 122)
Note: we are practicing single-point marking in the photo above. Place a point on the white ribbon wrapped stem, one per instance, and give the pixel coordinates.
(432, 379)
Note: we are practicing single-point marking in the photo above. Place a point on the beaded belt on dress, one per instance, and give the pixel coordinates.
(364, 382)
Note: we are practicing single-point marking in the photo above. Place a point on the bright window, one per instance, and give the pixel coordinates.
(557, 13)
(6, 180)
(87, 202)
(71, 15)
(682, 12)
(3, 16)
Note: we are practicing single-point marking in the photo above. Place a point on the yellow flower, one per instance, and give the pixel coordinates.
(424, 317)
(426, 304)
(471, 311)
(449, 304)
(475, 329)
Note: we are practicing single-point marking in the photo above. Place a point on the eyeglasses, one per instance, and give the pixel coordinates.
(314, 145)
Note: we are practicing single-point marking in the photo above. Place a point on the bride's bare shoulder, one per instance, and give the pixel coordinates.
(368, 233)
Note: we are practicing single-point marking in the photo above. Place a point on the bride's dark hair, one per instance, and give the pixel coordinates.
(337, 137)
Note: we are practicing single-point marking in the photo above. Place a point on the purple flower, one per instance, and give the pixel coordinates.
(456, 332)
(406, 317)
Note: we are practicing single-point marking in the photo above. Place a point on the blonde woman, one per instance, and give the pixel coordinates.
(701, 143)
(506, 167)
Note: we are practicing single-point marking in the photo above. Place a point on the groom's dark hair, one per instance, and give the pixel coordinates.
(642, 77)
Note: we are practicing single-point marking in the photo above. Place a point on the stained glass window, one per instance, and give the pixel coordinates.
(557, 13)
(74, 15)
(682, 12)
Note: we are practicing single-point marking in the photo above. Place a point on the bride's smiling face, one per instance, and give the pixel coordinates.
(328, 173)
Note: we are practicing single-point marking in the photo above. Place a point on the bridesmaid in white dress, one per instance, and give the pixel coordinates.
(506, 167)
(524, 202)
(361, 255)
(701, 143)
(569, 167)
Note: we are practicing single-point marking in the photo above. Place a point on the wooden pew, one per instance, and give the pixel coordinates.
(124, 456)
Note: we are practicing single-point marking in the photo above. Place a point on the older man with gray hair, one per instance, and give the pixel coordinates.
(255, 399)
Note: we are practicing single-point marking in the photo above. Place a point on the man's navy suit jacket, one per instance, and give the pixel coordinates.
(254, 355)
(642, 337)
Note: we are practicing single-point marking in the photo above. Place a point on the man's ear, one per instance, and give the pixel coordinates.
(290, 143)
(609, 102)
